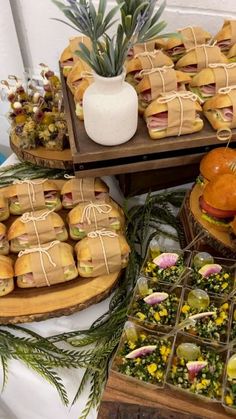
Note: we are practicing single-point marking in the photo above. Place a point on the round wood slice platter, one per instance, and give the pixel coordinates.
(219, 240)
(44, 157)
(34, 304)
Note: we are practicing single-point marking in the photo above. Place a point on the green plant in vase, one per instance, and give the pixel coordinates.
(110, 104)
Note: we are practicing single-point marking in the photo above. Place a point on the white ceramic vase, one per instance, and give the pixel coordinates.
(110, 107)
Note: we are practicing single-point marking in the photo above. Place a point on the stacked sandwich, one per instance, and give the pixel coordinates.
(37, 236)
(77, 72)
(36, 114)
(218, 182)
(194, 61)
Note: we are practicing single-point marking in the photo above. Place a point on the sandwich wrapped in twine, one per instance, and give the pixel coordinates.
(206, 54)
(46, 264)
(224, 74)
(144, 47)
(231, 92)
(30, 194)
(152, 59)
(161, 80)
(192, 36)
(39, 226)
(105, 252)
(181, 111)
(95, 215)
(83, 190)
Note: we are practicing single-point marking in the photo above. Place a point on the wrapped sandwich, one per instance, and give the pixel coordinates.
(87, 217)
(79, 71)
(30, 195)
(75, 45)
(6, 275)
(75, 191)
(34, 227)
(173, 114)
(232, 54)
(220, 110)
(145, 61)
(209, 80)
(226, 37)
(79, 94)
(200, 57)
(4, 245)
(4, 207)
(149, 46)
(101, 254)
(190, 37)
(56, 265)
(66, 61)
(159, 81)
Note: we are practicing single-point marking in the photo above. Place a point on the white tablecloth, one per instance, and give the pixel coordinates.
(27, 396)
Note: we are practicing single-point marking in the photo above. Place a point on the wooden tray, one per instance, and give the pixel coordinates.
(215, 242)
(43, 157)
(32, 304)
(171, 403)
(139, 154)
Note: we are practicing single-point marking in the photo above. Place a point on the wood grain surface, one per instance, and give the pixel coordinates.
(44, 157)
(171, 403)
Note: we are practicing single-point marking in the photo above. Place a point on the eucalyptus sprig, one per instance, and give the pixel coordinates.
(139, 22)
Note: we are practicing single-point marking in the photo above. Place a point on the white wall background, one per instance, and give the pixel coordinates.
(32, 37)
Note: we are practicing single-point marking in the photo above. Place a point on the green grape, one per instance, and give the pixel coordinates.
(231, 367)
(201, 259)
(198, 299)
(188, 351)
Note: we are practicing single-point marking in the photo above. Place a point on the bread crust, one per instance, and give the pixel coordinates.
(220, 193)
(6, 267)
(216, 162)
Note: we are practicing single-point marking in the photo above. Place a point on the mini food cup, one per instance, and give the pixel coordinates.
(155, 305)
(212, 319)
(169, 266)
(215, 277)
(143, 356)
(197, 369)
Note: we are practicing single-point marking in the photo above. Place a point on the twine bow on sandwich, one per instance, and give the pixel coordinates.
(180, 96)
(28, 216)
(152, 70)
(100, 234)
(100, 208)
(41, 251)
(30, 186)
(226, 90)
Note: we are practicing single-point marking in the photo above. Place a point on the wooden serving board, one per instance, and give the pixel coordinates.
(34, 304)
(170, 403)
(43, 157)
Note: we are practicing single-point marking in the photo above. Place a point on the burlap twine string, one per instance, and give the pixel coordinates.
(30, 186)
(42, 250)
(86, 74)
(226, 90)
(27, 216)
(179, 96)
(66, 176)
(100, 234)
(100, 208)
(148, 54)
(225, 67)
